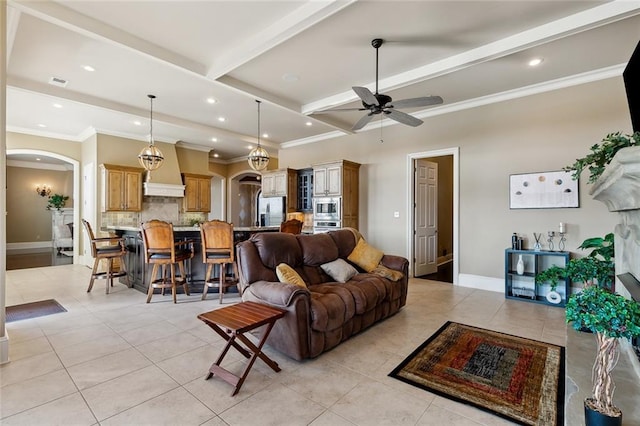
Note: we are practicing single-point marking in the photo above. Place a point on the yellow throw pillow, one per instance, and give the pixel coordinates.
(286, 274)
(390, 274)
(365, 256)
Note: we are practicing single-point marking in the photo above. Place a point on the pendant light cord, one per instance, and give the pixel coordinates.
(151, 98)
(259, 102)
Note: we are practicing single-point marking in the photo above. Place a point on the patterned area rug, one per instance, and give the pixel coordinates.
(33, 310)
(516, 378)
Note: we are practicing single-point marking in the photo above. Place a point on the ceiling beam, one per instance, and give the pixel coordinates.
(576, 23)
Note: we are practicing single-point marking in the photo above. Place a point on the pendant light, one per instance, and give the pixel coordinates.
(150, 157)
(258, 157)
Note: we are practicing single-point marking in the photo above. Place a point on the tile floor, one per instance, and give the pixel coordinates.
(115, 360)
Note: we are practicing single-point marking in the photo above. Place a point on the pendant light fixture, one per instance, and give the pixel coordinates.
(150, 157)
(258, 157)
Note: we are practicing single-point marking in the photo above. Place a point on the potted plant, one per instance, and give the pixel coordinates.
(602, 154)
(610, 316)
(57, 201)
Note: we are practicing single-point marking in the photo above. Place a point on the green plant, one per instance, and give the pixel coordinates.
(57, 201)
(602, 154)
(610, 316)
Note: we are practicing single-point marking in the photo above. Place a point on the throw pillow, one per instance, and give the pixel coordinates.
(365, 256)
(390, 274)
(339, 270)
(286, 274)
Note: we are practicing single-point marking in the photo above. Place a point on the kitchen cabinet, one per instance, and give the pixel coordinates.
(281, 183)
(197, 193)
(121, 188)
(339, 179)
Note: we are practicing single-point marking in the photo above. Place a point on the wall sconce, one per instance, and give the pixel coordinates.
(43, 190)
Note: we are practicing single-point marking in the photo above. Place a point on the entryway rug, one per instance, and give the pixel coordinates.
(33, 310)
(516, 378)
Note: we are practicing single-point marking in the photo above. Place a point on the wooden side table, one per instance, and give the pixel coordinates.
(232, 322)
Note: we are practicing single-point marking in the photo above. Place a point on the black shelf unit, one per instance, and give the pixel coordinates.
(523, 286)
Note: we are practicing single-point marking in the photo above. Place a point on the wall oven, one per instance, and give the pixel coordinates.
(327, 208)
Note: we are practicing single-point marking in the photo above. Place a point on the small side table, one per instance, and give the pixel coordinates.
(231, 322)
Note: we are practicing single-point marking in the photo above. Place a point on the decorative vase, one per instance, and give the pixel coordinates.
(554, 297)
(520, 265)
(596, 418)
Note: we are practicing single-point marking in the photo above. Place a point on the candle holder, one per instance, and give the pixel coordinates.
(562, 240)
(551, 235)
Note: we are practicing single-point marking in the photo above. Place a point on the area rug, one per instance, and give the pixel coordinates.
(515, 378)
(33, 310)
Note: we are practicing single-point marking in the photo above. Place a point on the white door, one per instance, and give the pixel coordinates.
(426, 218)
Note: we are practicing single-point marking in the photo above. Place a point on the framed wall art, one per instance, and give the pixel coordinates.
(543, 190)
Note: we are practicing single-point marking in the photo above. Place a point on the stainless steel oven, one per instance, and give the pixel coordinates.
(325, 225)
(327, 208)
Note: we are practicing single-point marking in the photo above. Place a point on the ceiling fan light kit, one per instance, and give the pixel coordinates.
(378, 103)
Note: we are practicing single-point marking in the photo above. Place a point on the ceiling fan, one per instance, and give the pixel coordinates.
(378, 103)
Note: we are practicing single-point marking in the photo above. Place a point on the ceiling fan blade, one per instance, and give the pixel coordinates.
(402, 117)
(417, 102)
(366, 95)
(326, 111)
(362, 122)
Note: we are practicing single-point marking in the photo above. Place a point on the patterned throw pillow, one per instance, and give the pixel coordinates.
(339, 270)
(365, 256)
(390, 274)
(286, 274)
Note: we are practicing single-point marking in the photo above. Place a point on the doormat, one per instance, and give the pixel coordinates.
(515, 378)
(33, 310)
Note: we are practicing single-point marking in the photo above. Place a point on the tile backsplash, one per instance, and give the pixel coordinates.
(162, 208)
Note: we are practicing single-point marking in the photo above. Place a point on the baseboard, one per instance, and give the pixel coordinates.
(481, 283)
(4, 347)
(30, 245)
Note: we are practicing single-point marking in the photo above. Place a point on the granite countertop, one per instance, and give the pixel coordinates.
(186, 228)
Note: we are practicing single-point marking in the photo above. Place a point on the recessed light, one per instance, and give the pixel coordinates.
(265, 135)
(211, 101)
(37, 159)
(57, 105)
(290, 77)
(308, 123)
(535, 62)
(88, 68)
(249, 146)
(216, 155)
(137, 123)
(214, 139)
(222, 119)
(42, 125)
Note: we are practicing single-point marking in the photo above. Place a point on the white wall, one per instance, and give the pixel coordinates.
(543, 132)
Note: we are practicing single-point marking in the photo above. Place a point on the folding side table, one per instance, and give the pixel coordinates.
(232, 322)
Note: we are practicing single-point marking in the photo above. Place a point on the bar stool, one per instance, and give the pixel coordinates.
(217, 249)
(291, 226)
(109, 252)
(162, 251)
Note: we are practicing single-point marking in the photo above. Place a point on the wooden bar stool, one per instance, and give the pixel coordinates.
(291, 226)
(162, 251)
(217, 249)
(108, 252)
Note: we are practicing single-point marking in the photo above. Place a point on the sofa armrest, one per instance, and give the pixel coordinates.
(397, 263)
(276, 293)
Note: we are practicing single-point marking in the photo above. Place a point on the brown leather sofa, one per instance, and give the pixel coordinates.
(325, 313)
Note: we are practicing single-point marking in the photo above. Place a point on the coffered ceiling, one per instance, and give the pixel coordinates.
(298, 57)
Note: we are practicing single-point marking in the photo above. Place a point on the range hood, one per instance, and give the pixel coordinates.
(152, 189)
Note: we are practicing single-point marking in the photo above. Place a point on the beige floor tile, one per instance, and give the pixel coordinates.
(18, 332)
(438, 416)
(80, 335)
(176, 407)
(33, 392)
(329, 418)
(124, 392)
(108, 367)
(82, 352)
(470, 412)
(170, 346)
(276, 405)
(149, 333)
(371, 402)
(190, 365)
(25, 349)
(27, 368)
(68, 410)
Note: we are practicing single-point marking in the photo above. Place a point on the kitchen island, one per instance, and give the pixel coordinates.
(139, 272)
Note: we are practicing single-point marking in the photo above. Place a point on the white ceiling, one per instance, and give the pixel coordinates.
(298, 57)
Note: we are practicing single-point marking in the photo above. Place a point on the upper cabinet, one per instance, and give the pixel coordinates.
(305, 190)
(121, 188)
(197, 193)
(340, 179)
(281, 183)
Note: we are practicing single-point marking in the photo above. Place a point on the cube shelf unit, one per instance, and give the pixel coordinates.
(523, 286)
